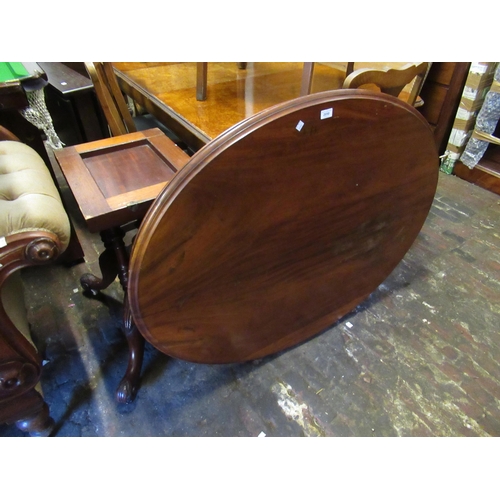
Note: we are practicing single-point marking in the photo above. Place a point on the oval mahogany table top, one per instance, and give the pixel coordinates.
(281, 225)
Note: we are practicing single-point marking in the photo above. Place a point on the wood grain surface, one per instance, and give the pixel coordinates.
(115, 180)
(282, 225)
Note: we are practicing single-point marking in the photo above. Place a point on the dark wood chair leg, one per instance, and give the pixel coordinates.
(41, 424)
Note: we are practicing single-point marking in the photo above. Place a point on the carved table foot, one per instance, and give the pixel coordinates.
(129, 385)
(109, 262)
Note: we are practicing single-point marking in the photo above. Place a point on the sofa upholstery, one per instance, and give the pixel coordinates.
(34, 230)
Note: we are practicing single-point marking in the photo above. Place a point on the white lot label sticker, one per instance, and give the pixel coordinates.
(299, 125)
(326, 113)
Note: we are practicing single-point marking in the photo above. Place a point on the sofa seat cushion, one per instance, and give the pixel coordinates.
(29, 199)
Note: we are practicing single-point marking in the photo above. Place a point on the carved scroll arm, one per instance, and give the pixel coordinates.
(22, 368)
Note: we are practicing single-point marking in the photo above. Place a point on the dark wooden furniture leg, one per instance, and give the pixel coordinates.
(28, 411)
(113, 262)
(201, 81)
(307, 77)
(39, 424)
(129, 385)
(108, 262)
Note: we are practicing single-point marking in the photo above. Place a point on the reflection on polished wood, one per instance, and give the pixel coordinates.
(233, 94)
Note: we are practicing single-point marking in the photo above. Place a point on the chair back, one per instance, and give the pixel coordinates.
(391, 81)
(110, 98)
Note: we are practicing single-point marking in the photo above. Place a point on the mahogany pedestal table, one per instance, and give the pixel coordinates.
(114, 181)
(279, 227)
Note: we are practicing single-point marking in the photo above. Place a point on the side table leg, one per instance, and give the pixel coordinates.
(108, 262)
(129, 385)
(114, 262)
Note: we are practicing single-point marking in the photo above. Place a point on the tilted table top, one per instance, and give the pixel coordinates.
(281, 226)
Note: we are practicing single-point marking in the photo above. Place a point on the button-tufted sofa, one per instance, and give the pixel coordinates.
(34, 230)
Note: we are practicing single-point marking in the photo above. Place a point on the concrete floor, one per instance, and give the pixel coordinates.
(420, 357)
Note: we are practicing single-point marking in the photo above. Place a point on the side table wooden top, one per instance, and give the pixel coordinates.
(115, 180)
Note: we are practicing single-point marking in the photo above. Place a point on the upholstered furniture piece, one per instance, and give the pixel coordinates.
(34, 230)
(266, 236)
